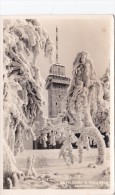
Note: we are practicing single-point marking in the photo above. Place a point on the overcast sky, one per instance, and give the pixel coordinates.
(83, 33)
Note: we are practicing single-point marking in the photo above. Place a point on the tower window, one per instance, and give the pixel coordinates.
(59, 95)
(59, 71)
(56, 103)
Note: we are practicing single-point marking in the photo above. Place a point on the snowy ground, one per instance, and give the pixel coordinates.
(54, 173)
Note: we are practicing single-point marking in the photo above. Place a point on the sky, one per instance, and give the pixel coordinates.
(91, 34)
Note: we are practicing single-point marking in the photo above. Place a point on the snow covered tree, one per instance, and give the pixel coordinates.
(100, 108)
(22, 90)
(106, 84)
(85, 99)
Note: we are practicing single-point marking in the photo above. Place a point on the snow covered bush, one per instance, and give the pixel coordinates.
(66, 150)
(22, 90)
(30, 170)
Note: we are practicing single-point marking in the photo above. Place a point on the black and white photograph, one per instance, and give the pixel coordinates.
(56, 102)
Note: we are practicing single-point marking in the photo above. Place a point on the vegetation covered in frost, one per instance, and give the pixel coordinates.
(23, 40)
(86, 108)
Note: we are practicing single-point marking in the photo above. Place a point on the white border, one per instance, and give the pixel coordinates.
(30, 7)
(60, 7)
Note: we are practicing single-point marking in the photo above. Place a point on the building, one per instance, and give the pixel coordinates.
(56, 84)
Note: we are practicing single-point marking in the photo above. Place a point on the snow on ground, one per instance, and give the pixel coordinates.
(54, 173)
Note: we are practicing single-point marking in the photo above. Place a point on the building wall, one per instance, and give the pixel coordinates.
(56, 94)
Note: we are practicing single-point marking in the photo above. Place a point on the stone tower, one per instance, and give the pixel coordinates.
(56, 84)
